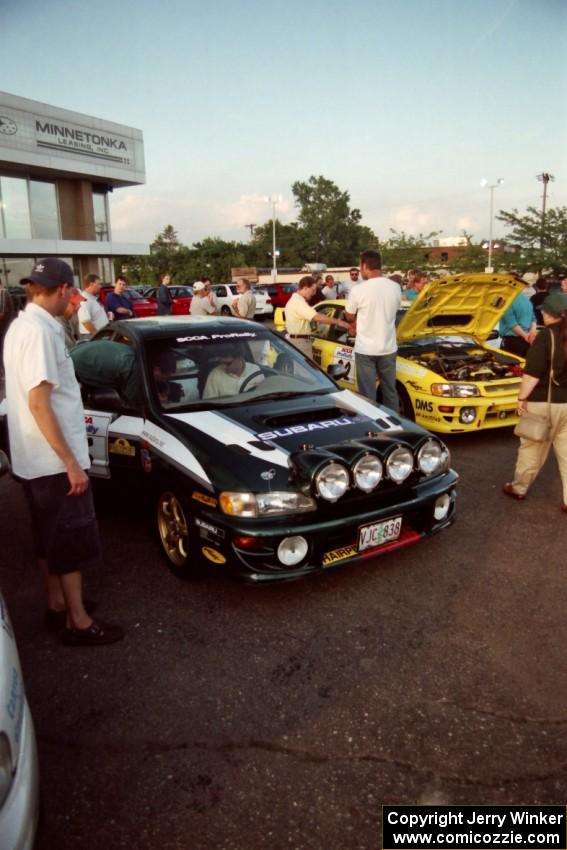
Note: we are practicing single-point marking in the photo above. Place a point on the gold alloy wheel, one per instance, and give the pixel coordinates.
(173, 530)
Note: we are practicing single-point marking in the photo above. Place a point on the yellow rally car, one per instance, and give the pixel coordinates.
(449, 379)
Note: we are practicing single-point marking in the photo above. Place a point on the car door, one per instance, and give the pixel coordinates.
(333, 345)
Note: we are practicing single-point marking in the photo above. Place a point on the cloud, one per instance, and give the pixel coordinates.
(250, 209)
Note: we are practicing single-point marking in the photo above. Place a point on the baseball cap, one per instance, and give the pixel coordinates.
(198, 285)
(52, 272)
(555, 304)
(77, 296)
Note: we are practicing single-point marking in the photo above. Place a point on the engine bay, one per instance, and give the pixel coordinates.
(463, 363)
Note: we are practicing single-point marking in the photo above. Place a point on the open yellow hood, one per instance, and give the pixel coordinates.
(468, 304)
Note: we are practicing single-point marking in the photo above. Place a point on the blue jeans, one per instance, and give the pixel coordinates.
(382, 366)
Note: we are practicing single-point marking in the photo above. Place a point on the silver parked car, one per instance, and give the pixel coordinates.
(19, 775)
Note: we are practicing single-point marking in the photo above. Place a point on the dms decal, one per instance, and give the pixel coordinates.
(420, 404)
(305, 429)
(213, 555)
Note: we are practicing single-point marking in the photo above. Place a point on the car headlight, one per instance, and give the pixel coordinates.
(399, 464)
(331, 482)
(265, 504)
(432, 457)
(367, 472)
(6, 767)
(455, 390)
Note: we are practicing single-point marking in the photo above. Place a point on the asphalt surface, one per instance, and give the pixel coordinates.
(284, 717)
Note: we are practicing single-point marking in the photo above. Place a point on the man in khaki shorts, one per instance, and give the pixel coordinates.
(245, 305)
(299, 315)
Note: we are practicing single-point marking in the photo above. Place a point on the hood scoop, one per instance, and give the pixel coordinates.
(301, 417)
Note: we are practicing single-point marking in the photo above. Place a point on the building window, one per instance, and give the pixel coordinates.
(28, 209)
(44, 212)
(444, 256)
(16, 221)
(102, 229)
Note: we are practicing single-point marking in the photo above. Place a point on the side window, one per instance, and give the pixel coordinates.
(219, 291)
(338, 334)
(318, 328)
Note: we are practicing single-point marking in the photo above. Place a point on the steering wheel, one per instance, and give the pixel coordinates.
(247, 380)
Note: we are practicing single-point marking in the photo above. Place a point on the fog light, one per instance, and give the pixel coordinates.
(292, 550)
(467, 415)
(442, 505)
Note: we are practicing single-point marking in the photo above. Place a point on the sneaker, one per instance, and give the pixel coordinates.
(54, 620)
(97, 634)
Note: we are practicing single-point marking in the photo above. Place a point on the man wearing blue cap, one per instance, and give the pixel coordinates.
(49, 451)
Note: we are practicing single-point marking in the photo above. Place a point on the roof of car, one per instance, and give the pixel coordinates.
(152, 327)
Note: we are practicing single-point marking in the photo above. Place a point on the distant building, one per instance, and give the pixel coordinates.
(57, 169)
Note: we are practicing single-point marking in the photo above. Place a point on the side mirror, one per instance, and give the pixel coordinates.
(336, 371)
(494, 334)
(4, 463)
(103, 398)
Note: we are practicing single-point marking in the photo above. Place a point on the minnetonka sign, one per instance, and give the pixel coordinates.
(35, 134)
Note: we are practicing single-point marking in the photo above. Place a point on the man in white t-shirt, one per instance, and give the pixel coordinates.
(50, 455)
(345, 286)
(92, 315)
(299, 314)
(374, 304)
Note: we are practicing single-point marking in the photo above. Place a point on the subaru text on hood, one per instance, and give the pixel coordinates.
(258, 462)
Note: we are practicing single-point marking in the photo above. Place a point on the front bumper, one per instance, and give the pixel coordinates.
(19, 814)
(451, 415)
(250, 547)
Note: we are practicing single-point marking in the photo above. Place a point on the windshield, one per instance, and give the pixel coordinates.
(218, 369)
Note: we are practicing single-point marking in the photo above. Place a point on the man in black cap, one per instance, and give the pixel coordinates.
(49, 451)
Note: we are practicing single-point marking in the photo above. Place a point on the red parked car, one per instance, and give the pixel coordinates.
(181, 295)
(279, 293)
(142, 306)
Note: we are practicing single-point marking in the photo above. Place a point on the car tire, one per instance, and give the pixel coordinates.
(226, 311)
(173, 525)
(406, 407)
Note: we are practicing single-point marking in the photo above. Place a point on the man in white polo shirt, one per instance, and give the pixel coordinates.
(374, 304)
(49, 451)
(299, 314)
(92, 315)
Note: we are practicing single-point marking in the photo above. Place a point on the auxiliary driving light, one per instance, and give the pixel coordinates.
(332, 481)
(399, 465)
(442, 506)
(467, 415)
(292, 550)
(367, 472)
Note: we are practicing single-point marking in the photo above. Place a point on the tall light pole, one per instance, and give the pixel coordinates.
(492, 186)
(544, 178)
(273, 200)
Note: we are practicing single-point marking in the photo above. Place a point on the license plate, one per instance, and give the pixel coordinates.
(376, 533)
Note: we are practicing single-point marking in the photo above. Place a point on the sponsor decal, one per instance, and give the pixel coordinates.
(120, 446)
(211, 337)
(339, 555)
(146, 460)
(211, 529)
(305, 429)
(268, 475)
(421, 404)
(204, 499)
(153, 438)
(343, 356)
(213, 555)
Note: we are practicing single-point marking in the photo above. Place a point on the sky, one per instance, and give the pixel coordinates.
(405, 104)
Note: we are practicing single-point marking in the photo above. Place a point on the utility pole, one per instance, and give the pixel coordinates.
(251, 226)
(544, 178)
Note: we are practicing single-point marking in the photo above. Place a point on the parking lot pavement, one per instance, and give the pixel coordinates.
(250, 718)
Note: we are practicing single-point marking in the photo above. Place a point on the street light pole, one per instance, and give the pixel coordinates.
(492, 186)
(544, 178)
(273, 200)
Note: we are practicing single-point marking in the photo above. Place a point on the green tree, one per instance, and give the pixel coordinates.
(538, 243)
(401, 251)
(331, 229)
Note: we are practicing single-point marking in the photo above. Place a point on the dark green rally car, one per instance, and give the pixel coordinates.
(258, 462)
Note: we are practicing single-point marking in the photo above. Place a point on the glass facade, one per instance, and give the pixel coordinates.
(102, 228)
(29, 209)
(16, 219)
(44, 212)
